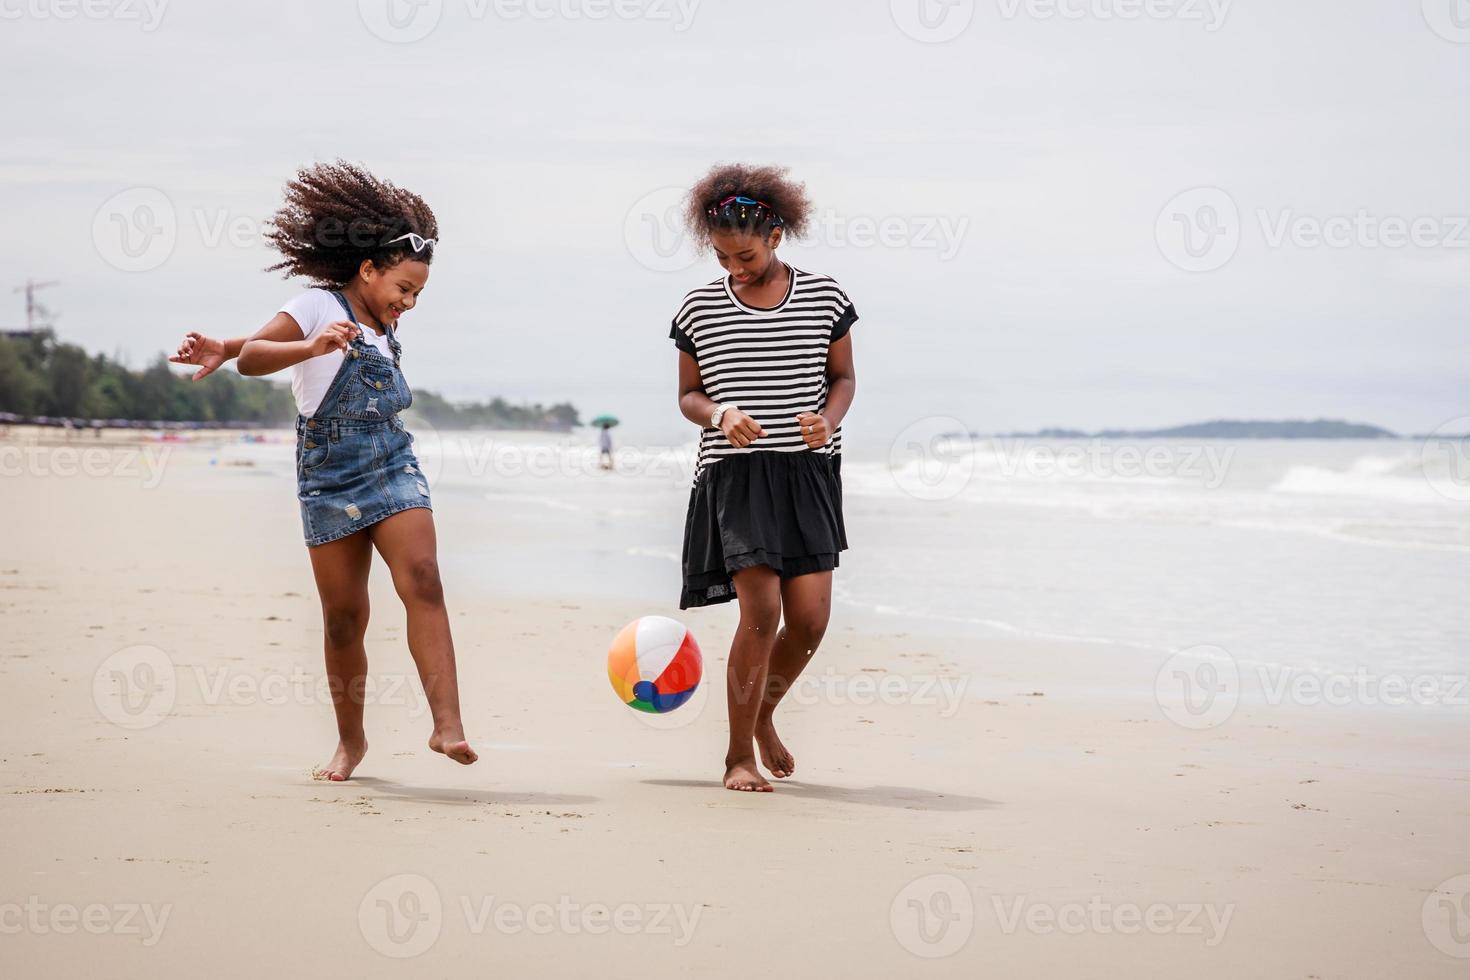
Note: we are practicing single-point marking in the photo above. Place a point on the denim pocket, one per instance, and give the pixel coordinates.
(312, 451)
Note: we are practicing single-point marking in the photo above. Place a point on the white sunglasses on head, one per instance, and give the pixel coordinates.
(418, 242)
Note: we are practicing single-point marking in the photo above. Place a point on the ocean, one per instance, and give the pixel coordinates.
(1322, 556)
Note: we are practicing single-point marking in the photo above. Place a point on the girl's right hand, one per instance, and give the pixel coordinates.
(740, 428)
(333, 337)
(207, 352)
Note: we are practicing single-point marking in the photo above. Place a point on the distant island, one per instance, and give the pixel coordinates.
(44, 381)
(1224, 429)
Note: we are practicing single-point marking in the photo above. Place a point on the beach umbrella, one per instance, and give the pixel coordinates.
(605, 421)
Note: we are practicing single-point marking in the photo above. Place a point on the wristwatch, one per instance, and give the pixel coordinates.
(719, 413)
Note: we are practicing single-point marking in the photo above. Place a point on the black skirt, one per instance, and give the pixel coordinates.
(783, 510)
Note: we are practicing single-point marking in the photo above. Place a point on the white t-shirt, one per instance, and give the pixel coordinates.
(313, 310)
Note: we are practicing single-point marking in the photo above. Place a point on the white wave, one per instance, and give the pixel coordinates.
(1399, 479)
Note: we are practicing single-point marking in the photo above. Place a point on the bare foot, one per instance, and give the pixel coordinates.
(774, 755)
(451, 742)
(345, 760)
(745, 777)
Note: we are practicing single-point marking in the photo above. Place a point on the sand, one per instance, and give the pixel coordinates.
(1003, 808)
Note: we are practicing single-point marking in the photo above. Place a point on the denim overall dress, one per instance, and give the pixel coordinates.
(354, 459)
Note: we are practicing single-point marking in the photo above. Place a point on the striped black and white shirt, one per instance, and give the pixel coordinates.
(770, 362)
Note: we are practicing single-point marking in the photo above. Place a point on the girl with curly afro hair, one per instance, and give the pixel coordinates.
(365, 247)
(766, 372)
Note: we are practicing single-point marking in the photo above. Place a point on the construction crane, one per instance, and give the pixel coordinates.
(32, 307)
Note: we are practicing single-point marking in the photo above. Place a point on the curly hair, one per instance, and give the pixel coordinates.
(337, 215)
(783, 202)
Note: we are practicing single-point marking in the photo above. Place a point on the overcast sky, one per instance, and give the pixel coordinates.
(998, 182)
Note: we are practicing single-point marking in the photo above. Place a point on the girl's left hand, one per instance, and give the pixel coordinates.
(814, 430)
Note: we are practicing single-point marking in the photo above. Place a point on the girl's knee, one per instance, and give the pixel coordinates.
(346, 624)
(420, 581)
(806, 627)
(760, 616)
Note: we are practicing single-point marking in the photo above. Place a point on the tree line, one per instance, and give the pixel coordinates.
(40, 376)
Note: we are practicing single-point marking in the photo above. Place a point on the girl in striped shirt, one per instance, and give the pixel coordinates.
(766, 371)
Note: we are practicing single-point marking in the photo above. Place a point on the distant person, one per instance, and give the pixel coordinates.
(604, 447)
(366, 245)
(766, 371)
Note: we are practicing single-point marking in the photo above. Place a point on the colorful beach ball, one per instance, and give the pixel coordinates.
(654, 664)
